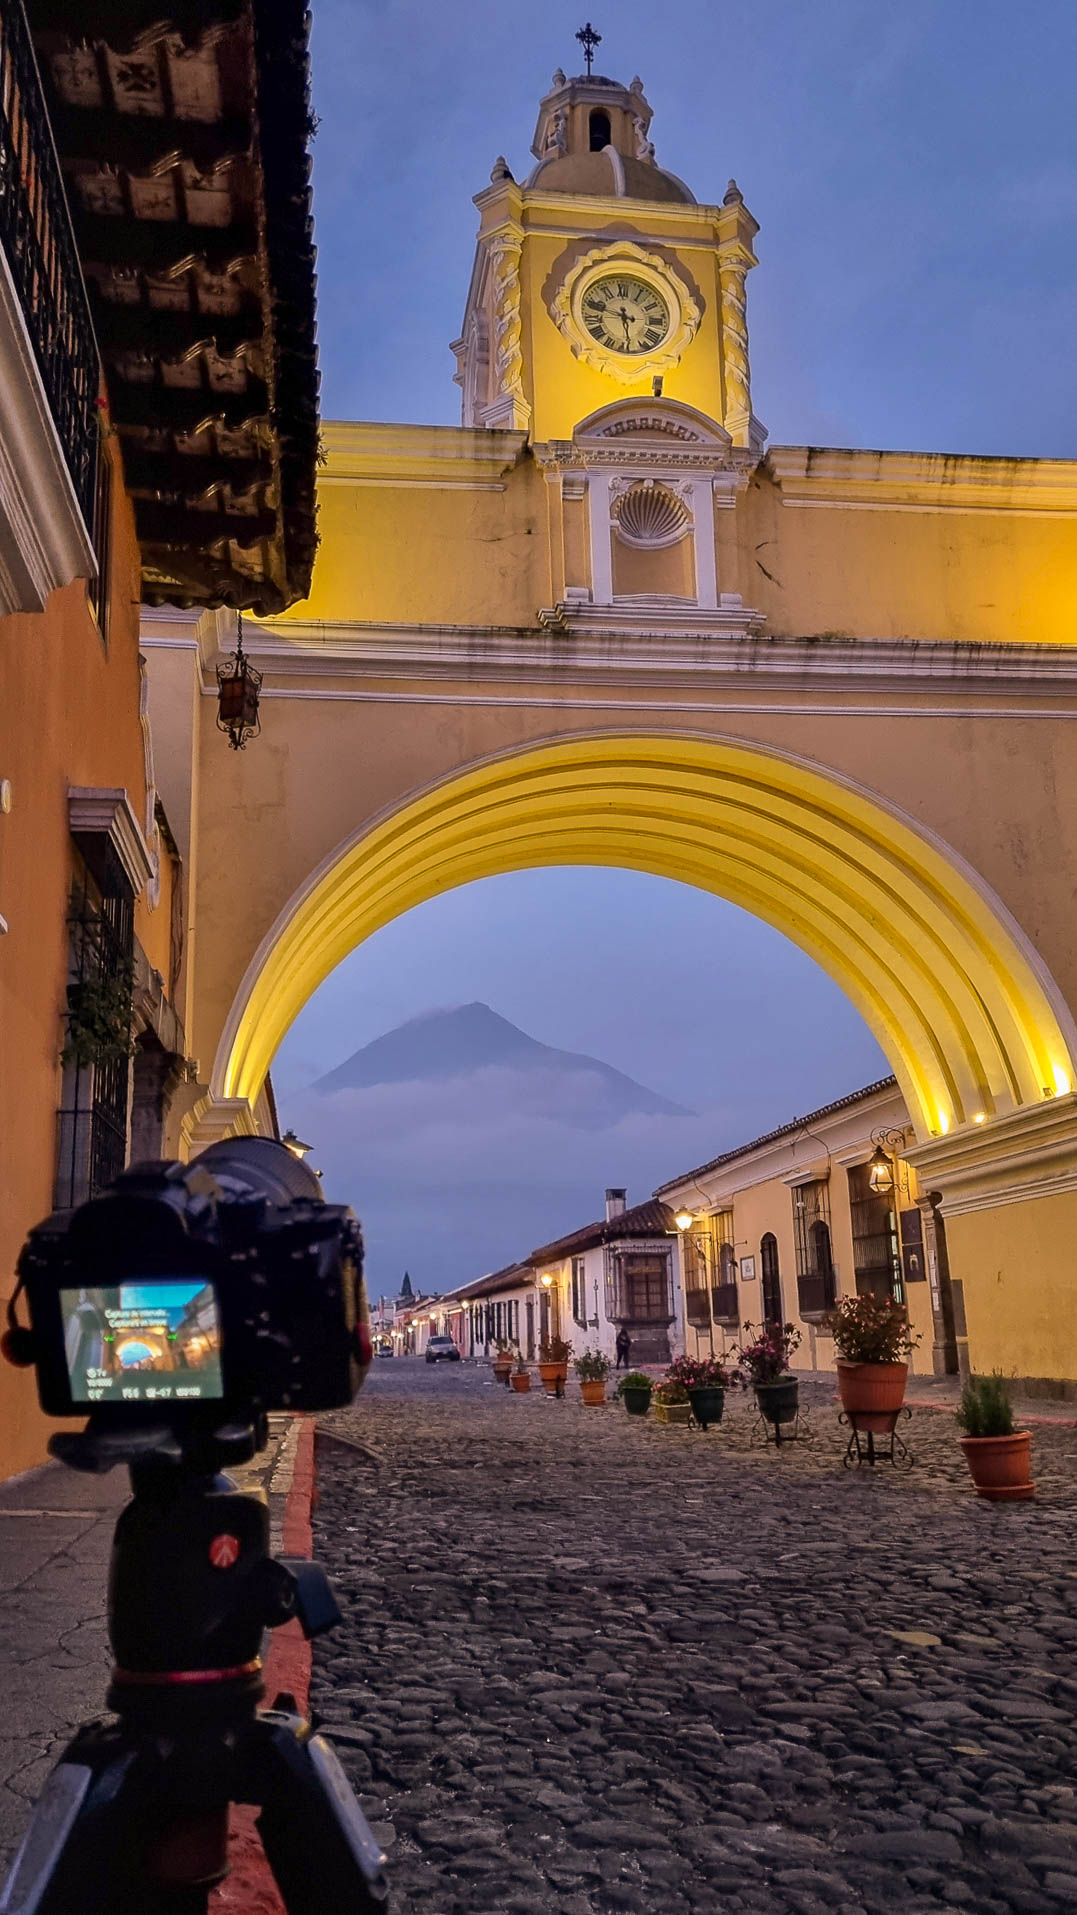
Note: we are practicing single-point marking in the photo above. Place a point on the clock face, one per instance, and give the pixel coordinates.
(625, 313)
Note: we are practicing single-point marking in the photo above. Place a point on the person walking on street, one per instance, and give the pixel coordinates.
(624, 1348)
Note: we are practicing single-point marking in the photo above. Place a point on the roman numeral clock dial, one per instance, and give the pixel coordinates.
(624, 313)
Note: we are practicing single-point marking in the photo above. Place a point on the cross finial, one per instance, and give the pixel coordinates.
(588, 40)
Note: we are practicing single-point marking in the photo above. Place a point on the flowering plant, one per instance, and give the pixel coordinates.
(554, 1350)
(765, 1357)
(592, 1366)
(700, 1373)
(670, 1392)
(871, 1330)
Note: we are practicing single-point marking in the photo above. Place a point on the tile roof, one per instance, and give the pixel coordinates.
(510, 1277)
(791, 1129)
(650, 1219)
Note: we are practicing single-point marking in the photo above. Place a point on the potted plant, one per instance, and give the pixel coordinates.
(634, 1391)
(706, 1380)
(873, 1342)
(502, 1360)
(671, 1404)
(763, 1362)
(998, 1456)
(592, 1368)
(554, 1353)
(520, 1375)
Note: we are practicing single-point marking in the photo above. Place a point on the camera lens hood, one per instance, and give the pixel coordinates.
(261, 1167)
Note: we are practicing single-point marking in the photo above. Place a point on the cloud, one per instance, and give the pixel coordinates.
(455, 1177)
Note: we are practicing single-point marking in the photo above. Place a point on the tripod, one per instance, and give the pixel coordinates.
(134, 1818)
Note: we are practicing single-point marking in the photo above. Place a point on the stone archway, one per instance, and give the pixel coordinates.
(952, 988)
(978, 1033)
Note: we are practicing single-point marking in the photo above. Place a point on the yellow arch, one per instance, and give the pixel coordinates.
(941, 973)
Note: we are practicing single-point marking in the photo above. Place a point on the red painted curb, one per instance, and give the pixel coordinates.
(250, 1888)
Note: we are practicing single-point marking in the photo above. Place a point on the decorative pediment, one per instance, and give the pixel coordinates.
(653, 424)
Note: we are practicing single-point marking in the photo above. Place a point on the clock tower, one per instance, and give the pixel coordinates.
(600, 276)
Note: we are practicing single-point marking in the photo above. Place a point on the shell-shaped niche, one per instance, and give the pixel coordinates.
(650, 515)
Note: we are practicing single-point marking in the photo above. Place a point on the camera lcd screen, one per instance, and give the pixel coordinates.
(147, 1340)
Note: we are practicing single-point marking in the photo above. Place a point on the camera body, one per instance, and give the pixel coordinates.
(211, 1291)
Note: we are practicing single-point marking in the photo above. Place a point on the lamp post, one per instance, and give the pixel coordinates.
(684, 1219)
(296, 1145)
(884, 1179)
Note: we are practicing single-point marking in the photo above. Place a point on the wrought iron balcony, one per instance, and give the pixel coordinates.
(39, 245)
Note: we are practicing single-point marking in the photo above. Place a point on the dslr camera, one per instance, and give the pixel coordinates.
(196, 1295)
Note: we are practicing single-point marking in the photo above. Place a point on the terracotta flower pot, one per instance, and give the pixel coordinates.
(553, 1377)
(593, 1392)
(999, 1465)
(503, 1369)
(872, 1393)
(520, 1380)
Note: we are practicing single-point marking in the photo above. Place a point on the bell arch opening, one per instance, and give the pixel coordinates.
(951, 987)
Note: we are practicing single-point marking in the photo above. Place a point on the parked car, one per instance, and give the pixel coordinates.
(442, 1348)
(383, 1346)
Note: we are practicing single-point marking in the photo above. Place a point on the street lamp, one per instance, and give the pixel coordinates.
(238, 687)
(684, 1220)
(547, 1281)
(296, 1145)
(882, 1173)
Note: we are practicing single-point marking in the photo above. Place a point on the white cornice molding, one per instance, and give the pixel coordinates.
(922, 481)
(1027, 1154)
(44, 540)
(108, 813)
(638, 643)
(456, 456)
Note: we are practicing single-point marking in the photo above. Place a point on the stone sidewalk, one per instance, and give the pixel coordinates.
(55, 1536)
(595, 1665)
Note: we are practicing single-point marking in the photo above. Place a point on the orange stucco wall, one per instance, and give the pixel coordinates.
(68, 716)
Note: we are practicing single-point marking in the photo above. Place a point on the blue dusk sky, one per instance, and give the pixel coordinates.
(914, 174)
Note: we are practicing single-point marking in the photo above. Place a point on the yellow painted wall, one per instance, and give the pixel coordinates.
(430, 555)
(68, 716)
(976, 576)
(1017, 1264)
(422, 553)
(768, 1206)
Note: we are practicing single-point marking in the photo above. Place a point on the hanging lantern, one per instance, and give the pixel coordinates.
(238, 685)
(881, 1173)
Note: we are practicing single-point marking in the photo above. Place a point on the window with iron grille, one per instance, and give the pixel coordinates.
(697, 1267)
(579, 1291)
(98, 588)
(724, 1290)
(816, 1282)
(639, 1286)
(876, 1256)
(95, 1112)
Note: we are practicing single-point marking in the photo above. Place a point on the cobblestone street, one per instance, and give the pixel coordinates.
(591, 1664)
